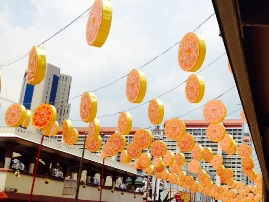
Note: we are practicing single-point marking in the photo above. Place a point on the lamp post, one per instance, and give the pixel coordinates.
(80, 168)
(157, 133)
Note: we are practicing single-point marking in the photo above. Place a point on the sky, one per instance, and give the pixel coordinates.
(140, 31)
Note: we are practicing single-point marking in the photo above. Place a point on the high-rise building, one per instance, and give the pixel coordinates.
(54, 89)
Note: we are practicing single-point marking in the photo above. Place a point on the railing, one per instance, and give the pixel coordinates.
(54, 144)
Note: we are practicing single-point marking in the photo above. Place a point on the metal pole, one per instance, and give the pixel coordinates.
(102, 179)
(80, 169)
(155, 189)
(147, 189)
(36, 167)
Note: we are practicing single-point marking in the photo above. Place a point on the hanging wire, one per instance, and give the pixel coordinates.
(20, 57)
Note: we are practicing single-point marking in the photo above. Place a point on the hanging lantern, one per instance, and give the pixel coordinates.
(217, 161)
(226, 143)
(208, 154)
(186, 143)
(194, 166)
(94, 129)
(99, 23)
(229, 67)
(73, 138)
(67, 129)
(243, 116)
(174, 128)
(134, 151)
(149, 170)
(144, 160)
(44, 116)
(88, 107)
(124, 158)
(175, 168)
(244, 151)
(15, 115)
(215, 132)
(156, 111)
(125, 123)
(214, 111)
(93, 145)
(143, 138)
(180, 159)
(158, 148)
(27, 119)
(191, 52)
(118, 141)
(53, 130)
(36, 65)
(136, 86)
(46, 181)
(168, 158)
(198, 152)
(195, 88)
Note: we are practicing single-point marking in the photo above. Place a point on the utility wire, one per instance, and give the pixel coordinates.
(20, 57)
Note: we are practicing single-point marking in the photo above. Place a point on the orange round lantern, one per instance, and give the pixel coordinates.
(136, 86)
(186, 142)
(158, 148)
(226, 143)
(244, 151)
(99, 23)
(156, 111)
(149, 170)
(125, 123)
(217, 161)
(168, 158)
(214, 111)
(108, 149)
(198, 152)
(173, 179)
(174, 128)
(118, 142)
(233, 149)
(36, 65)
(143, 138)
(93, 145)
(54, 129)
(15, 115)
(175, 168)
(221, 171)
(182, 176)
(144, 160)
(44, 116)
(180, 159)
(195, 88)
(94, 128)
(208, 154)
(133, 151)
(243, 116)
(191, 52)
(229, 67)
(124, 158)
(88, 107)
(157, 162)
(67, 129)
(194, 166)
(229, 173)
(27, 119)
(215, 132)
(201, 174)
(73, 139)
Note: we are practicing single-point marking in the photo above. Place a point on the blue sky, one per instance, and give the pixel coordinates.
(140, 31)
